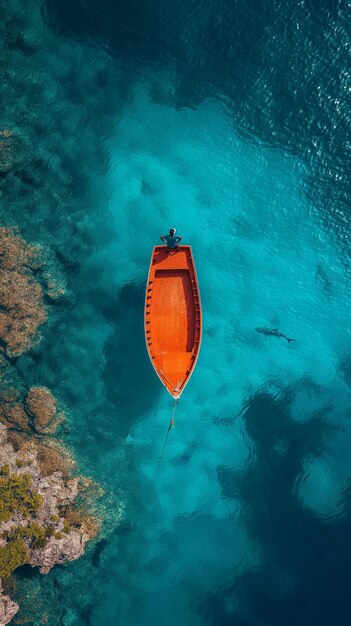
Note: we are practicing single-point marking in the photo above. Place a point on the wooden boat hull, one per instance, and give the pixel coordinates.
(173, 320)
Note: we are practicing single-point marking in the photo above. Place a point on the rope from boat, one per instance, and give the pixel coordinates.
(171, 424)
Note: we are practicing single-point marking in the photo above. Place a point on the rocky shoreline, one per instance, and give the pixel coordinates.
(41, 523)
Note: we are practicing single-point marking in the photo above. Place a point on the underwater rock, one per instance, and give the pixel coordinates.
(8, 608)
(16, 254)
(14, 416)
(35, 414)
(27, 275)
(22, 309)
(40, 404)
(55, 287)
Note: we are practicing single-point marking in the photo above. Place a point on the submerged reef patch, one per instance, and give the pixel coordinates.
(26, 278)
(22, 309)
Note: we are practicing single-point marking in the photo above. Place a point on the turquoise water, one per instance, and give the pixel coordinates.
(246, 521)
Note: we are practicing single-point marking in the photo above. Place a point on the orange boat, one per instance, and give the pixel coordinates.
(173, 318)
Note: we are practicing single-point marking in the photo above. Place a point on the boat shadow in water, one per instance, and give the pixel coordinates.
(131, 384)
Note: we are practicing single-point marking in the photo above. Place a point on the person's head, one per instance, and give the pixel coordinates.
(172, 232)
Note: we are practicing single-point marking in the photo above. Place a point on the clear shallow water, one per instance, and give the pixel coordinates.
(246, 522)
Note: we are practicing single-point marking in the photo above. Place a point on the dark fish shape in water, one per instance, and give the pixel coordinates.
(273, 332)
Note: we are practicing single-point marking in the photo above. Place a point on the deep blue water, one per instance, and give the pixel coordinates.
(229, 120)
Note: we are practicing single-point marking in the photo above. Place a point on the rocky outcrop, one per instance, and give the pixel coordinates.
(8, 608)
(39, 522)
(51, 528)
(68, 548)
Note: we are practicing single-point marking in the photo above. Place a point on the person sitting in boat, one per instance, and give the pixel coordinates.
(171, 240)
